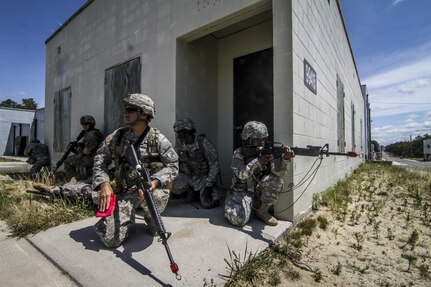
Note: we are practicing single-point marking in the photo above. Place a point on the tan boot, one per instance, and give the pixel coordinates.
(42, 187)
(151, 227)
(263, 214)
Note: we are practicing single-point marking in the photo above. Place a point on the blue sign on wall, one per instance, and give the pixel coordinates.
(310, 77)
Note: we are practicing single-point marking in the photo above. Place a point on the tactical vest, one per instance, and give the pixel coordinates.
(150, 159)
(196, 159)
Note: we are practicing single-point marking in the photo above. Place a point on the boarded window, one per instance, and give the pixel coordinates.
(62, 100)
(341, 138)
(120, 81)
(353, 128)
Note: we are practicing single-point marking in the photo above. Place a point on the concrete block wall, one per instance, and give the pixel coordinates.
(318, 36)
(110, 32)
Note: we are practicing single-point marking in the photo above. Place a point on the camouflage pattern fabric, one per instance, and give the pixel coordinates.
(78, 190)
(199, 169)
(252, 185)
(254, 129)
(87, 149)
(38, 156)
(109, 163)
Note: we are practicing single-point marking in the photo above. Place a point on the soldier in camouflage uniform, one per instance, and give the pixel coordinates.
(257, 179)
(81, 163)
(38, 155)
(154, 151)
(199, 167)
(78, 191)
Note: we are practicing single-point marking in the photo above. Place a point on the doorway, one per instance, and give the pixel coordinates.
(253, 92)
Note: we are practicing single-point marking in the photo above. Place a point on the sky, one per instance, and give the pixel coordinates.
(24, 27)
(391, 42)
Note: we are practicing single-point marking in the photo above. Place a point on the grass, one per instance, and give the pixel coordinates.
(28, 214)
(366, 228)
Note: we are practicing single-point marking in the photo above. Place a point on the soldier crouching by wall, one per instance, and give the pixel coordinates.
(80, 164)
(38, 155)
(257, 179)
(199, 166)
(152, 148)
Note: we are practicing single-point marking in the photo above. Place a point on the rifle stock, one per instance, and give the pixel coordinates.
(144, 183)
(70, 147)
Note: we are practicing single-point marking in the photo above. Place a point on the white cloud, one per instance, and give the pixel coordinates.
(396, 2)
(402, 89)
(388, 134)
(417, 71)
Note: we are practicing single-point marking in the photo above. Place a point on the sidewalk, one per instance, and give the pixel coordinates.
(19, 164)
(199, 244)
(23, 266)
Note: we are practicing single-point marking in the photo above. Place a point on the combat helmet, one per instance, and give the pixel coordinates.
(142, 101)
(87, 119)
(254, 129)
(185, 124)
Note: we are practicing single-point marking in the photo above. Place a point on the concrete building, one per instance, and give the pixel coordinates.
(367, 150)
(286, 63)
(427, 149)
(14, 130)
(38, 126)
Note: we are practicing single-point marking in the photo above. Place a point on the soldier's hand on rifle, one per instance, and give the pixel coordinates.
(105, 196)
(265, 159)
(288, 153)
(154, 184)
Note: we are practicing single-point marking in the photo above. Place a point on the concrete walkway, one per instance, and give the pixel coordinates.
(22, 265)
(200, 242)
(18, 164)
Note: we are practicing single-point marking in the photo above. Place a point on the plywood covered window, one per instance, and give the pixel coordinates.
(62, 104)
(353, 128)
(341, 137)
(120, 81)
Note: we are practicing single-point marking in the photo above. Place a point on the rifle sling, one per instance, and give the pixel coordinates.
(135, 145)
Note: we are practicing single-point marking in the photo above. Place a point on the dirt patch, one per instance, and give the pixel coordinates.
(372, 229)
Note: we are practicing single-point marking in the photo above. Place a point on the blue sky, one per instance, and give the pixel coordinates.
(24, 27)
(391, 41)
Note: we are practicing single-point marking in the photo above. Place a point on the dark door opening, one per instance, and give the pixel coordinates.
(253, 92)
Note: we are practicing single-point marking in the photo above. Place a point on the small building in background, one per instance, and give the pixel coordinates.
(37, 126)
(427, 149)
(15, 125)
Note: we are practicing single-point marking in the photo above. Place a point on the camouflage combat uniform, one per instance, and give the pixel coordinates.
(157, 154)
(199, 169)
(38, 155)
(253, 185)
(87, 148)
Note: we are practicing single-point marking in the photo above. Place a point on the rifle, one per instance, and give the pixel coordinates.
(276, 149)
(71, 147)
(144, 183)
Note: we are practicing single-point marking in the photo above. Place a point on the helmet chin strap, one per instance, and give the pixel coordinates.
(138, 118)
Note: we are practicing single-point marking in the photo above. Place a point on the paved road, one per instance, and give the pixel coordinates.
(410, 163)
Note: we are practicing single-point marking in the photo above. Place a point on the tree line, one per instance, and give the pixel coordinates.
(26, 104)
(414, 148)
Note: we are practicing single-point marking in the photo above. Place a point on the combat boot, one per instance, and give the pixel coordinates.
(151, 227)
(263, 214)
(42, 187)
